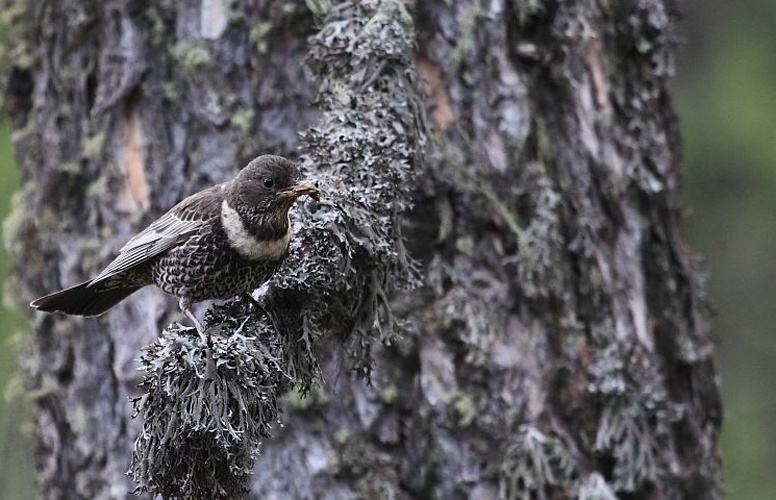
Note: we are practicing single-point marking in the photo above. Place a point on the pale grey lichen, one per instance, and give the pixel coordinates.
(365, 155)
(535, 465)
(207, 406)
(636, 418)
(595, 487)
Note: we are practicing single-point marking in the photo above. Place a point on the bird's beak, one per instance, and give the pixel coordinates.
(299, 189)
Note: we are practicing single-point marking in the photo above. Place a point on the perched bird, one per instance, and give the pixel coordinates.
(221, 242)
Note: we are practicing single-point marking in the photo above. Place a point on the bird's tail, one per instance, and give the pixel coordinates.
(83, 300)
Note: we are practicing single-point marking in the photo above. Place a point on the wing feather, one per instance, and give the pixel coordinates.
(171, 229)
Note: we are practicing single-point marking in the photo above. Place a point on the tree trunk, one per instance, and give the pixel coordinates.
(558, 346)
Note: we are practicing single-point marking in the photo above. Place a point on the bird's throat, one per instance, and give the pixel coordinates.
(247, 243)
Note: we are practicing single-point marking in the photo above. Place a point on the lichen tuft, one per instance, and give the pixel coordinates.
(206, 408)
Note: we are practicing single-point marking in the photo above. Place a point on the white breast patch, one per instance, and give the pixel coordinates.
(248, 246)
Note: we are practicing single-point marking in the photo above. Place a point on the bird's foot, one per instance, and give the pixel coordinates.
(185, 307)
(201, 333)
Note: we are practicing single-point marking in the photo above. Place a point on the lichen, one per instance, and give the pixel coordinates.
(206, 408)
(535, 465)
(636, 417)
(595, 487)
(625, 434)
(364, 154)
(540, 268)
(465, 43)
(366, 467)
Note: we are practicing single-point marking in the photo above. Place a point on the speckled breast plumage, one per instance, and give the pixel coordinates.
(206, 267)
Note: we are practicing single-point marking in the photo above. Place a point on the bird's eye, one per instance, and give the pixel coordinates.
(268, 182)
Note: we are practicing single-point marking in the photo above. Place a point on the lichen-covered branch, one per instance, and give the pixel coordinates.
(365, 153)
(206, 407)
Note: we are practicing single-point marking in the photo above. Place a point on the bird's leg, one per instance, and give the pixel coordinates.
(185, 306)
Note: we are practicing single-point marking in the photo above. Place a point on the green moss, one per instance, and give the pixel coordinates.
(158, 28)
(465, 43)
(342, 435)
(70, 167)
(319, 8)
(389, 393)
(16, 18)
(94, 146)
(317, 397)
(171, 91)
(48, 386)
(98, 188)
(243, 119)
(13, 226)
(259, 35)
(466, 408)
(190, 57)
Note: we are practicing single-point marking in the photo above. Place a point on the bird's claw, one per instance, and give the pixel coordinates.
(200, 328)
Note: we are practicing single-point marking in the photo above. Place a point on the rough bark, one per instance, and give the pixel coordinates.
(560, 346)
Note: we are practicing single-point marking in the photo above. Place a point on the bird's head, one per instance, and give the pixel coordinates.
(271, 180)
(265, 189)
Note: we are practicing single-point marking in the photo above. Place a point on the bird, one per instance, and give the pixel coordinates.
(219, 243)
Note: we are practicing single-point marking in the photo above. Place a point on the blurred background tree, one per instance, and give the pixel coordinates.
(725, 93)
(16, 466)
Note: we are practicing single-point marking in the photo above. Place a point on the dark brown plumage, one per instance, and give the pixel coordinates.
(224, 241)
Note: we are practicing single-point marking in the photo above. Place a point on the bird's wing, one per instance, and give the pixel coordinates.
(171, 229)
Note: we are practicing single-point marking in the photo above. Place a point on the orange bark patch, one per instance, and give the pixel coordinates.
(133, 196)
(592, 52)
(442, 112)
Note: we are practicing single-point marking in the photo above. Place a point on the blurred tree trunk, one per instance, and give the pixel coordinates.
(561, 346)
